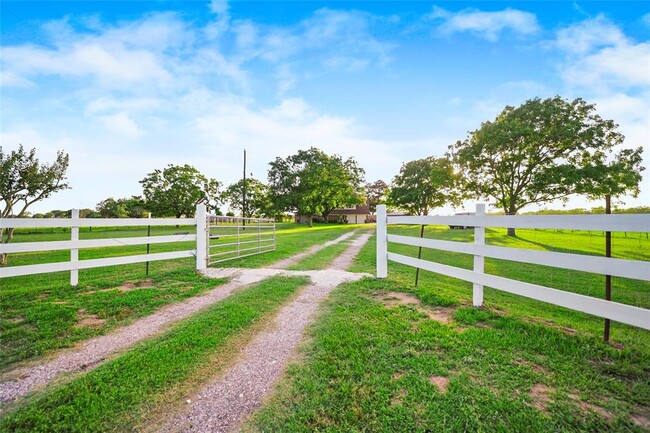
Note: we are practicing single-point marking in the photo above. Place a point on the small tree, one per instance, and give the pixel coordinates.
(258, 203)
(424, 184)
(176, 190)
(313, 182)
(536, 153)
(25, 181)
(376, 194)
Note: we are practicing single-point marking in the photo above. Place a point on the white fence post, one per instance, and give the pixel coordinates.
(382, 244)
(74, 252)
(479, 261)
(201, 237)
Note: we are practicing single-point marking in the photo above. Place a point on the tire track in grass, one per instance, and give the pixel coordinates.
(283, 264)
(109, 397)
(223, 404)
(97, 350)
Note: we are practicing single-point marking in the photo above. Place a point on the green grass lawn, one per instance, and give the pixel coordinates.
(42, 313)
(119, 394)
(434, 363)
(384, 355)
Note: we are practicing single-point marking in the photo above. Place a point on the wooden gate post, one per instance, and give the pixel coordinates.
(382, 243)
(74, 252)
(479, 261)
(201, 237)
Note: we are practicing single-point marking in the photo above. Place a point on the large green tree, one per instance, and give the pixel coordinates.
(312, 182)
(25, 181)
(620, 175)
(175, 191)
(538, 152)
(376, 194)
(258, 203)
(132, 207)
(423, 185)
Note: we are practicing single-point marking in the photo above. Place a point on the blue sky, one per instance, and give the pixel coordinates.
(127, 87)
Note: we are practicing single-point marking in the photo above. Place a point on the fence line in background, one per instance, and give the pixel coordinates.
(75, 244)
(634, 269)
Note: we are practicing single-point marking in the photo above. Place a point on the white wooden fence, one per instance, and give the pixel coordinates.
(75, 244)
(634, 269)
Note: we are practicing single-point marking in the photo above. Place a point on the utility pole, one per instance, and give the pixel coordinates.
(243, 206)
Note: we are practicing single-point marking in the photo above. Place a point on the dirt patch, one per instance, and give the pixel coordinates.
(537, 368)
(126, 287)
(399, 398)
(395, 299)
(397, 375)
(540, 394)
(589, 407)
(16, 320)
(43, 296)
(440, 382)
(85, 320)
(59, 302)
(564, 329)
(641, 417)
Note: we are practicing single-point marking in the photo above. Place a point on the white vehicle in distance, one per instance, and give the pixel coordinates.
(462, 227)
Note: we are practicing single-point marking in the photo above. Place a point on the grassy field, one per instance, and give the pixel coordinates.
(389, 356)
(383, 355)
(41, 313)
(117, 395)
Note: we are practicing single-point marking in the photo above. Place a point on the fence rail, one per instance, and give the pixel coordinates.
(634, 269)
(75, 244)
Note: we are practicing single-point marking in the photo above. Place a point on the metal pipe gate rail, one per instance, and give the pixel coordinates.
(234, 237)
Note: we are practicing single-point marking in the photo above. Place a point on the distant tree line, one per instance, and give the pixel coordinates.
(542, 151)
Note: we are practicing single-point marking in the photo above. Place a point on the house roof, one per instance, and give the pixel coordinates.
(359, 210)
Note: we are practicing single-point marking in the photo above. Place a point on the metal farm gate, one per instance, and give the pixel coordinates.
(234, 237)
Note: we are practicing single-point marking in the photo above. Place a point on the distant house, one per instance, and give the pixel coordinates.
(352, 215)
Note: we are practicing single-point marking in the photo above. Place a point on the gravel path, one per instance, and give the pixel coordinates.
(18, 382)
(223, 404)
(283, 264)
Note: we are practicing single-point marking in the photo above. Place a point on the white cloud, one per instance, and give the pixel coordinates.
(598, 54)
(488, 25)
(122, 125)
(10, 79)
(120, 57)
(588, 35)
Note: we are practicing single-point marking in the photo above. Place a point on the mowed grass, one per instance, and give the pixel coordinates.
(632, 292)
(389, 356)
(119, 394)
(42, 313)
(375, 365)
(323, 258)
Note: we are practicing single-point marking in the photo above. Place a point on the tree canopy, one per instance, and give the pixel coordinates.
(618, 176)
(258, 203)
(313, 182)
(423, 185)
(175, 191)
(132, 207)
(25, 181)
(542, 151)
(376, 194)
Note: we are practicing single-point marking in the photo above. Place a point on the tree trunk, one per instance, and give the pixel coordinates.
(310, 221)
(511, 230)
(5, 238)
